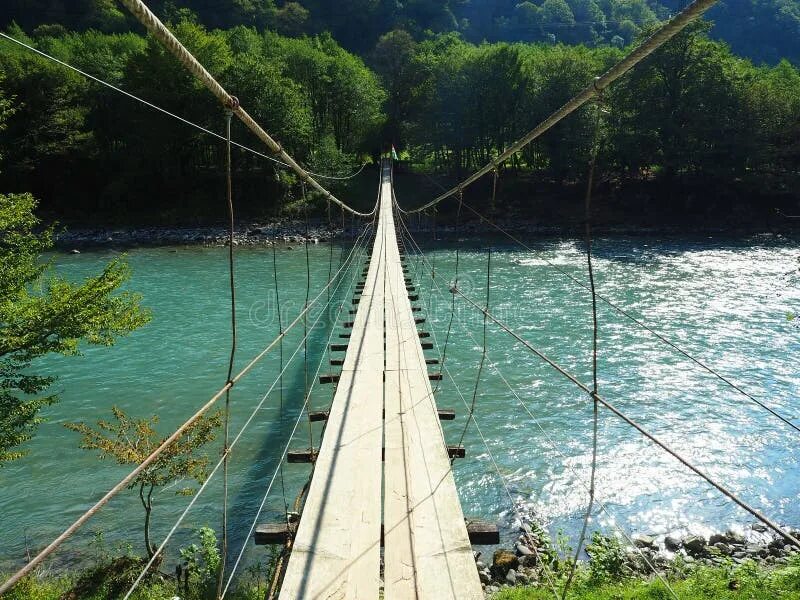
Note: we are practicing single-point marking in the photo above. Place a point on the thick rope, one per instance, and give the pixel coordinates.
(171, 43)
(125, 481)
(676, 455)
(662, 35)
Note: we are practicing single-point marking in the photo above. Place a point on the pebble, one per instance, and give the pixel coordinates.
(511, 577)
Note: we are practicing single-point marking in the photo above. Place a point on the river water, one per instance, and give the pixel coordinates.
(722, 300)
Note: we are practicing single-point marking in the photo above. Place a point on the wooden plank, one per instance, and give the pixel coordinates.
(427, 548)
(273, 533)
(336, 550)
(336, 553)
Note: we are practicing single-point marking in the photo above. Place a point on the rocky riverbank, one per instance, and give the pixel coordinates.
(254, 234)
(265, 234)
(533, 559)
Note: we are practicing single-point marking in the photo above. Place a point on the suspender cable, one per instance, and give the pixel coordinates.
(225, 449)
(154, 25)
(280, 367)
(483, 354)
(662, 35)
(590, 269)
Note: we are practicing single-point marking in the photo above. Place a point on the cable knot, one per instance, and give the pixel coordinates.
(233, 103)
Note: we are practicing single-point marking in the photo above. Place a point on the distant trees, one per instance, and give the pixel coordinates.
(41, 313)
(692, 111)
(111, 156)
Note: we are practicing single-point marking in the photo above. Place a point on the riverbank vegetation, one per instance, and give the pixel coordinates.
(748, 581)
(42, 313)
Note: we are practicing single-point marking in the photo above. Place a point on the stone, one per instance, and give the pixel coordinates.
(734, 538)
(480, 564)
(523, 550)
(75, 251)
(511, 577)
(759, 527)
(723, 548)
(694, 544)
(484, 577)
(644, 541)
(672, 543)
(503, 561)
(529, 561)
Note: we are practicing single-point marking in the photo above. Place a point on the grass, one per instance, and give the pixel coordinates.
(748, 581)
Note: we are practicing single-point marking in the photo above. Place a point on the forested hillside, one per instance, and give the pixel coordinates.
(764, 30)
(693, 121)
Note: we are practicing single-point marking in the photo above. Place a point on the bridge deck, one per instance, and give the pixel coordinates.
(336, 553)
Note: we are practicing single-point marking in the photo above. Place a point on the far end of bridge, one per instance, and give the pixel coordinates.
(382, 515)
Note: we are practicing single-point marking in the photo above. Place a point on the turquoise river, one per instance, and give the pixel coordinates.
(723, 300)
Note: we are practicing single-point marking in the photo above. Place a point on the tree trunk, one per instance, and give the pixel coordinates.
(148, 509)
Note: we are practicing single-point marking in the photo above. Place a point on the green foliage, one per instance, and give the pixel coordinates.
(203, 561)
(130, 441)
(606, 559)
(104, 154)
(42, 313)
(748, 581)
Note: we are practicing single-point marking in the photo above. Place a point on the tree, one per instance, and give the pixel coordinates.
(129, 441)
(41, 313)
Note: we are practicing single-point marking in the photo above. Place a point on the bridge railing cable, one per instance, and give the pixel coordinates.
(154, 25)
(662, 35)
(125, 481)
(621, 415)
(221, 461)
(601, 504)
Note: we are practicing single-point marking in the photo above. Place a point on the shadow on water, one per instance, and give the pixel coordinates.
(261, 465)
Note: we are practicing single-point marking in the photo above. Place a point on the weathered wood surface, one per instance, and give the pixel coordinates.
(427, 550)
(336, 554)
(383, 401)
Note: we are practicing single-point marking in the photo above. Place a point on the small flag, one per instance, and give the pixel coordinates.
(394, 153)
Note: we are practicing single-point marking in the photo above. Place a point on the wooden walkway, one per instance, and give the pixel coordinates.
(354, 496)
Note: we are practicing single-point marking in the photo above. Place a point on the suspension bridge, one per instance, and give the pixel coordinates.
(380, 515)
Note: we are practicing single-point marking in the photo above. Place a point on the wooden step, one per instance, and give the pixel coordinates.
(480, 532)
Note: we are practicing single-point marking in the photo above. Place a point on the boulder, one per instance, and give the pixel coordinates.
(644, 541)
(523, 550)
(511, 577)
(503, 561)
(694, 544)
(672, 543)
